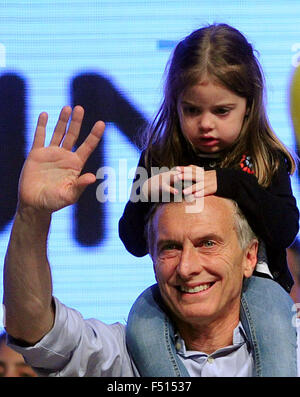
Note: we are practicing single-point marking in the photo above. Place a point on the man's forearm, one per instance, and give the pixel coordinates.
(27, 278)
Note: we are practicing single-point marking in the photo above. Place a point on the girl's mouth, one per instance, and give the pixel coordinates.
(209, 141)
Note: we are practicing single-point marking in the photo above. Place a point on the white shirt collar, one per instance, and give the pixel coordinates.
(239, 338)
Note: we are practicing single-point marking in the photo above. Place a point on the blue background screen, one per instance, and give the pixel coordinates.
(110, 56)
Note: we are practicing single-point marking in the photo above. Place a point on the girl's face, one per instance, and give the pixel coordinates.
(211, 116)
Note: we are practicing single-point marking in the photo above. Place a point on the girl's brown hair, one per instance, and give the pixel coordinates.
(222, 53)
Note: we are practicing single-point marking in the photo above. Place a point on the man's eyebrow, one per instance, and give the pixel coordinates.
(22, 365)
(209, 236)
(17, 364)
(162, 242)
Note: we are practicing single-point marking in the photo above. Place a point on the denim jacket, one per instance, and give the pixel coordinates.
(266, 315)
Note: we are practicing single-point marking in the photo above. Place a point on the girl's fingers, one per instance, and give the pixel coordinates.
(61, 126)
(185, 173)
(74, 128)
(173, 190)
(91, 142)
(209, 185)
(191, 173)
(194, 189)
(40, 132)
(199, 193)
(162, 182)
(210, 182)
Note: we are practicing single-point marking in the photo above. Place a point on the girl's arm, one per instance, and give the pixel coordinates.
(272, 212)
(148, 188)
(132, 222)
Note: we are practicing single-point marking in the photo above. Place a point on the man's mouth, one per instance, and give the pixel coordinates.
(198, 288)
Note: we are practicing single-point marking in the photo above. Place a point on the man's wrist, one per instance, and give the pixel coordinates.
(30, 214)
(35, 221)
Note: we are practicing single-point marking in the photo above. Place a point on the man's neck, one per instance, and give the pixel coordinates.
(208, 338)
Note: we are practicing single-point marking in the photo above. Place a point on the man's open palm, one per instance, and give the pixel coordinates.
(51, 177)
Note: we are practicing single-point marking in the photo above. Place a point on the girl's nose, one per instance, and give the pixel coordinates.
(206, 122)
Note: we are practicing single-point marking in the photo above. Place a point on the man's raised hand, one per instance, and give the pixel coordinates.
(51, 177)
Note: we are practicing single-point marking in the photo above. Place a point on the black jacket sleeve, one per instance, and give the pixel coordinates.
(132, 223)
(271, 212)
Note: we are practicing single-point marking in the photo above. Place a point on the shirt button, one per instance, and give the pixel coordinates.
(212, 164)
(178, 346)
(210, 360)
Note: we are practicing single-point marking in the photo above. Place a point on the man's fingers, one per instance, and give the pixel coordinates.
(85, 180)
(74, 128)
(91, 142)
(61, 126)
(40, 132)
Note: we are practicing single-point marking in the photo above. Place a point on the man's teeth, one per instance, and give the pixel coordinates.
(199, 288)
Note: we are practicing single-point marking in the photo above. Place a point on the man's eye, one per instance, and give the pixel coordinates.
(169, 249)
(25, 375)
(208, 243)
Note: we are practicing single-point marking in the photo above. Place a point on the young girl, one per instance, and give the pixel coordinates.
(213, 116)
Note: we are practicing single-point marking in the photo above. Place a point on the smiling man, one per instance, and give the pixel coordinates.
(201, 261)
(200, 265)
(195, 322)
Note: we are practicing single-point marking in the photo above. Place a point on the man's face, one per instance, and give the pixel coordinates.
(12, 364)
(198, 262)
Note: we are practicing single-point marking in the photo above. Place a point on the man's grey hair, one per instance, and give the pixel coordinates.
(243, 230)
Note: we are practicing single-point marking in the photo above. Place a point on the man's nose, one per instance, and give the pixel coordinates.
(189, 264)
(11, 371)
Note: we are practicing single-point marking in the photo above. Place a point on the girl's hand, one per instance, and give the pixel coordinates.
(160, 184)
(51, 177)
(205, 182)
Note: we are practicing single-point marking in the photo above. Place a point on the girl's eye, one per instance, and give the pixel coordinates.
(191, 110)
(222, 111)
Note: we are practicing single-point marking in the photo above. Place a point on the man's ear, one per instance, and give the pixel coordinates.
(154, 267)
(250, 259)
